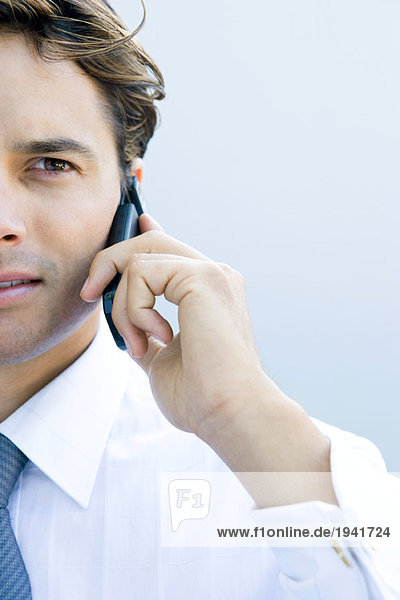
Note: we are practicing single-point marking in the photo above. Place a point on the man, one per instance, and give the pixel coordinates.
(97, 426)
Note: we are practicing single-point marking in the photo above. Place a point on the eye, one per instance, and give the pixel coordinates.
(53, 166)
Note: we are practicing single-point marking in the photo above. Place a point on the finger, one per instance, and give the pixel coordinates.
(141, 298)
(145, 361)
(120, 318)
(138, 343)
(148, 223)
(108, 262)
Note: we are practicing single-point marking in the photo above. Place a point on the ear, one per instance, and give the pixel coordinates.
(137, 168)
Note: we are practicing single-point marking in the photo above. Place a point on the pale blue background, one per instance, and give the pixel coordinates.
(278, 154)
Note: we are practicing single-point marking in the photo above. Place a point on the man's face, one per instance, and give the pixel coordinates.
(54, 215)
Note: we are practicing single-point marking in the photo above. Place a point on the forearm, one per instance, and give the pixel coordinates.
(273, 447)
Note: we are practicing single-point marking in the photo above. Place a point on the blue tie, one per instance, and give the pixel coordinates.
(14, 580)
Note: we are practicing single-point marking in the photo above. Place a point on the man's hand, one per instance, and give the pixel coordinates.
(213, 358)
(208, 379)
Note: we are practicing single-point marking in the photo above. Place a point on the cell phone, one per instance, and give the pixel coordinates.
(125, 225)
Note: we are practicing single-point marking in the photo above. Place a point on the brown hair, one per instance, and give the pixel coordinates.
(91, 33)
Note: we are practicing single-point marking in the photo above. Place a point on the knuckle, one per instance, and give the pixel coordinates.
(213, 276)
(131, 262)
(211, 270)
(226, 280)
(231, 272)
(226, 268)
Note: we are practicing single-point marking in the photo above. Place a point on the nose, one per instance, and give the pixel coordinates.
(12, 226)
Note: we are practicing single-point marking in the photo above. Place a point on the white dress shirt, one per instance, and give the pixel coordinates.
(86, 515)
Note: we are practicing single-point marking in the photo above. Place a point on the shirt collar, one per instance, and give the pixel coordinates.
(63, 429)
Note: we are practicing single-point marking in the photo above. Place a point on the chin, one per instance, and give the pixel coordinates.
(23, 342)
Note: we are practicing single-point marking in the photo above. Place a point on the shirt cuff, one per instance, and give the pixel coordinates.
(366, 493)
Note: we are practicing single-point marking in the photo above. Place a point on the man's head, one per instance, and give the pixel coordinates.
(76, 112)
(90, 33)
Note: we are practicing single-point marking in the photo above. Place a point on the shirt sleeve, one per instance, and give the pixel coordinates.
(367, 494)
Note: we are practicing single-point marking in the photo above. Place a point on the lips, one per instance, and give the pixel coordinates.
(17, 276)
(14, 295)
(5, 284)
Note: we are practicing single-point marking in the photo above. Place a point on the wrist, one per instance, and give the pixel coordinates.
(273, 447)
(258, 406)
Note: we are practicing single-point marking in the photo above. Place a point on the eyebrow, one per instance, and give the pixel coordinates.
(55, 145)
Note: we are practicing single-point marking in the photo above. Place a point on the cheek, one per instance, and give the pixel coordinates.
(75, 235)
(69, 236)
